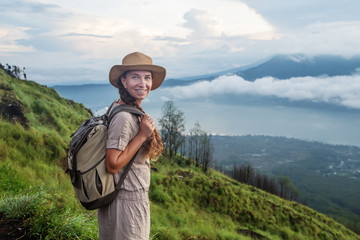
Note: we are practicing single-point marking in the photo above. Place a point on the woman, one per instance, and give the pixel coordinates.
(128, 216)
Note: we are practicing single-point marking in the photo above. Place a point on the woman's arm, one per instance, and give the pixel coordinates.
(116, 159)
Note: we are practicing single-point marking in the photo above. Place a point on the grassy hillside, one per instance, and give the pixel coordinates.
(327, 176)
(37, 200)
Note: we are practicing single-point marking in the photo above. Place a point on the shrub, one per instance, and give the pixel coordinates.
(46, 214)
(20, 207)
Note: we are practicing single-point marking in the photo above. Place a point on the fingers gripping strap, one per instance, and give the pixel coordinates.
(122, 108)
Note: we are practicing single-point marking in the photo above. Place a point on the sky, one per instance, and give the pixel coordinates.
(72, 42)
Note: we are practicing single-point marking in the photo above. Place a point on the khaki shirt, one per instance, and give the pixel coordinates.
(123, 127)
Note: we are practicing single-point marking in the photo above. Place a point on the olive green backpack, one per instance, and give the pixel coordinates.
(93, 185)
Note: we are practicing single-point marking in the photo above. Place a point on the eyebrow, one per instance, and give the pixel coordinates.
(139, 74)
(136, 74)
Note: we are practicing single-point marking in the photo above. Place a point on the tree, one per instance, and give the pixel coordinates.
(172, 127)
(273, 188)
(243, 174)
(207, 152)
(195, 143)
(266, 183)
(200, 147)
(294, 193)
(183, 148)
(285, 184)
(259, 180)
(247, 174)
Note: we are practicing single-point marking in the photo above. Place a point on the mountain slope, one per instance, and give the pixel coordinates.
(288, 66)
(185, 203)
(323, 173)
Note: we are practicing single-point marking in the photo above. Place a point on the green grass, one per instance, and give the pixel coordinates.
(185, 202)
(336, 195)
(47, 214)
(231, 208)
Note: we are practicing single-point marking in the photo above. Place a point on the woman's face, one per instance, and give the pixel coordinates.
(138, 83)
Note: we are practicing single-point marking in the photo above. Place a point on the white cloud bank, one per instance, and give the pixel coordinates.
(338, 90)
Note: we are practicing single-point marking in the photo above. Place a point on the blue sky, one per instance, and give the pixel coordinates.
(71, 42)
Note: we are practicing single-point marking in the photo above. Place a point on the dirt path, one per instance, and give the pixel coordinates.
(12, 230)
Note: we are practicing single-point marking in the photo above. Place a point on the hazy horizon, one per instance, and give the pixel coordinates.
(248, 112)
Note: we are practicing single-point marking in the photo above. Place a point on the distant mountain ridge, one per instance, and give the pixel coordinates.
(172, 82)
(279, 67)
(288, 66)
(284, 67)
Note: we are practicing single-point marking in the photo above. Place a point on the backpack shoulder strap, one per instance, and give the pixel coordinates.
(108, 111)
(111, 114)
(126, 171)
(123, 108)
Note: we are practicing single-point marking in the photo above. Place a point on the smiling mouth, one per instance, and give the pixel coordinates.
(140, 90)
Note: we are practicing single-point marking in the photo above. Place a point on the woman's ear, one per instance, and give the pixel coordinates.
(123, 81)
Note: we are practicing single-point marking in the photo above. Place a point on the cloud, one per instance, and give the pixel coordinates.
(9, 38)
(298, 14)
(29, 25)
(338, 90)
(22, 6)
(85, 35)
(201, 24)
(30, 14)
(230, 18)
(187, 37)
(338, 38)
(214, 25)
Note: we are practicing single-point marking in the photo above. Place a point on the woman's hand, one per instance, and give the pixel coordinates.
(147, 126)
(116, 159)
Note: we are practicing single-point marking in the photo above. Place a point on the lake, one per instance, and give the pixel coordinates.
(240, 114)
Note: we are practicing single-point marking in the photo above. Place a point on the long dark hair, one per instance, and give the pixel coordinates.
(153, 145)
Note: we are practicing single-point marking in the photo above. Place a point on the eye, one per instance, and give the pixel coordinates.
(148, 78)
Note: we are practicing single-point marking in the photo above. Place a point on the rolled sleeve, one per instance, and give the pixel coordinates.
(120, 131)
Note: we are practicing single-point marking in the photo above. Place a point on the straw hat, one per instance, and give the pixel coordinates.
(137, 61)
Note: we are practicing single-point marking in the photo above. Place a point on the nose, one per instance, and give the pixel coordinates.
(142, 81)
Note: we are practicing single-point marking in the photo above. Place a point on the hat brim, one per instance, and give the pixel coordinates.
(158, 74)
